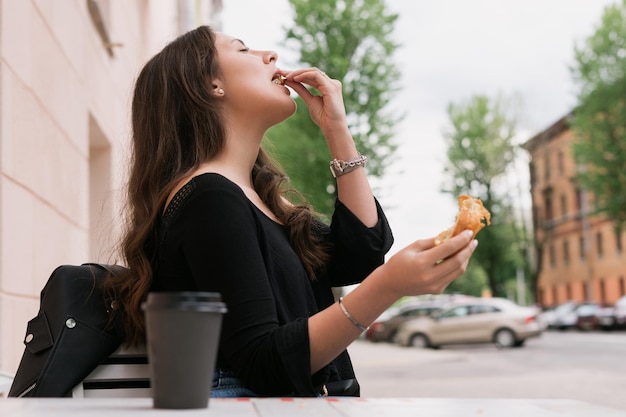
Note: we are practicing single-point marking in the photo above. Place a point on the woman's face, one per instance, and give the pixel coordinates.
(251, 82)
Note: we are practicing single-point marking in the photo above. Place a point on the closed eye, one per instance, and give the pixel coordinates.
(244, 48)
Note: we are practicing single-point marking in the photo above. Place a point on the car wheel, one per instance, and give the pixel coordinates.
(419, 340)
(504, 338)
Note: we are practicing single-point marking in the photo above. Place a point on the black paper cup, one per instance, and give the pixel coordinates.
(182, 337)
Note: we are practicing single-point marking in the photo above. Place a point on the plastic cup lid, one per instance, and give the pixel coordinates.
(186, 300)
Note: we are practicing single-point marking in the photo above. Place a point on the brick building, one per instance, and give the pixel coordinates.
(579, 256)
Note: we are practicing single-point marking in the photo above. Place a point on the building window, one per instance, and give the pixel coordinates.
(552, 256)
(602, 291)
(568, 291)
(599, 244)
(548, 207)
(563, 205)
(586, 292)
(579, 200)
(566, 252)
(581, 246)
(560, 163)
(618, 243)
(546, 167)
(622, 286)
(555, 296)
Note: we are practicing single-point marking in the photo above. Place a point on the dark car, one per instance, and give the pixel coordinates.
(587, 316)
(606, 317)
(566, 316)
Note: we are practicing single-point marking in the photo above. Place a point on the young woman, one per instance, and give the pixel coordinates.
(209, 211)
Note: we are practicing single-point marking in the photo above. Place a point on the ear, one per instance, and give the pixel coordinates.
(217, 88)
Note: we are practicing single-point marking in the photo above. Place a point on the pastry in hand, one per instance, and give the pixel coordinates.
(472, 216)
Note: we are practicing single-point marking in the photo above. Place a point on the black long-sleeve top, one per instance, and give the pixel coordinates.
(212, 238)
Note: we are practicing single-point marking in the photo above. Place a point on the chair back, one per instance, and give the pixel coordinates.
(125, 373)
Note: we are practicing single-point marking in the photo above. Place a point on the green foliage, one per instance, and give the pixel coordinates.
(480, 152)
(473, 282)
(351, 41)
(500, 253)
(480, 147)
(599, 120)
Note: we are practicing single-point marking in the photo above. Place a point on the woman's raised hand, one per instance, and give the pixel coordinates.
(327, 110)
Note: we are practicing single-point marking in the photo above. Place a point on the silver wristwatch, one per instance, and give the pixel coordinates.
(339, 167)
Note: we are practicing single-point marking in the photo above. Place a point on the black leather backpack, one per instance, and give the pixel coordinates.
(71, 335)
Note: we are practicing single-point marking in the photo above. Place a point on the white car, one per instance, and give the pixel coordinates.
(620, 312)
(482, 320)
(613, 317)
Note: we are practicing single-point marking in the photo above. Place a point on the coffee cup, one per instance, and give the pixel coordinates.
(182, 338)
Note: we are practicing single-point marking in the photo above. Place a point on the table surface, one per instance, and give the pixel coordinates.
(310, 407)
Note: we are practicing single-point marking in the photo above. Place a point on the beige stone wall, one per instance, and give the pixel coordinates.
(64, 129)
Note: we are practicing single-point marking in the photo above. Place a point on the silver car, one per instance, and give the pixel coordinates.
(483, 320)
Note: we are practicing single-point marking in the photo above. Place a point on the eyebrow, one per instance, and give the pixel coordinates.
(238, 40)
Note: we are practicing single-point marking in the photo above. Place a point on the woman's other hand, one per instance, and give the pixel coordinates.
(424, 268)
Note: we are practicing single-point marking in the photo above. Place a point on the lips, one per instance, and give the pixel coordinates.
(278, 79)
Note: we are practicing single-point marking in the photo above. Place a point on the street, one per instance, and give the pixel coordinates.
(575, 365)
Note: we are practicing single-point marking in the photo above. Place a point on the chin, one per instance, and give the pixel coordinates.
(285, 112)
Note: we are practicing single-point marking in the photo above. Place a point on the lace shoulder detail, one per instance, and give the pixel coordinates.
(177, 201)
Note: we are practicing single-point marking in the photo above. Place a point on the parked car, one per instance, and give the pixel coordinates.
(606, 318)
(619, 312)
(587, 316)
(613, 317)
(384, 329)
(567, 315)
(547, 317)
(552, 317)
(482, 320)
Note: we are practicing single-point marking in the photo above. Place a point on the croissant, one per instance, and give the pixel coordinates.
(472, 216)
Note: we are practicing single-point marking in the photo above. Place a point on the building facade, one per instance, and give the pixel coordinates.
(579, 256)
(66, 75)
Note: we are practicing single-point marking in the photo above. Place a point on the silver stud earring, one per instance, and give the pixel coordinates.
(220, 91)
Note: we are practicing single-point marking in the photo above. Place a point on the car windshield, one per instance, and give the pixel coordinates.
(587, 309)
(565, 308)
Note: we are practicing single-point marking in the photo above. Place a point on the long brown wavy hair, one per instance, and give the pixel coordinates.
(177, 125)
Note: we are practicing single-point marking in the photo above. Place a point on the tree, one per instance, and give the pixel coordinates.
(351, 41)
(473, 282)
(480, 154)
(599, 119)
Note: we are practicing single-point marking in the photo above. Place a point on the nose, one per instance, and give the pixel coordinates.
(270, 56)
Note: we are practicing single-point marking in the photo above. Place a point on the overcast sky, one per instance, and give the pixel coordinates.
(451, 50)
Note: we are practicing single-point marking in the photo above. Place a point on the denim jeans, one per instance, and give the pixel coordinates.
(226, 384)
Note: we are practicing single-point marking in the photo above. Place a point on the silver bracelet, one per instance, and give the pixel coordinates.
(339, 167)
(349, 316)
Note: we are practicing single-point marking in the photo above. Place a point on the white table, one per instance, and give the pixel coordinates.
(309, 407)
